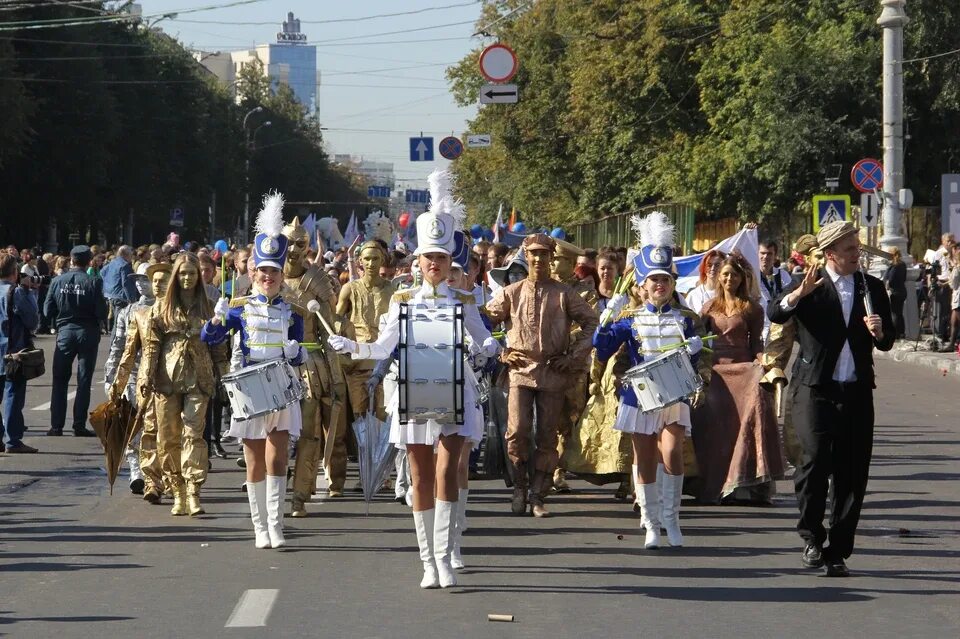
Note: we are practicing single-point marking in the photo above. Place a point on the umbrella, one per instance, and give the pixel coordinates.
(495, 460)
(375, 452)
(112, 422)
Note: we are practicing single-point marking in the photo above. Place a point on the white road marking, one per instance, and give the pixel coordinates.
(46, 406)
(253, 609)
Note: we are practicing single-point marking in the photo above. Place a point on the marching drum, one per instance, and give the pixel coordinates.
(262, 388)
(664, 381)
(431, 375)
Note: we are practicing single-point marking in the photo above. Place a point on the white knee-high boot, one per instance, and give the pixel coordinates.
(672, 494)
(456, 560)
(257, 496)
(443, 537)
(661, 471)
(424, 521)
(276, 490)
(649, 500)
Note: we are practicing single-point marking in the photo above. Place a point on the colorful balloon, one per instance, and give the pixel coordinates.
(519, 227)
(222, 246)
(403, 220)
(476, 231)
(558, 234)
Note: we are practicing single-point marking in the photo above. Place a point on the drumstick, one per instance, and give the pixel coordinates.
(307, 345)
(314, 307)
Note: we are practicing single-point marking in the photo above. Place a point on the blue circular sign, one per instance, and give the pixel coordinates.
(451, 148)
(867, 175)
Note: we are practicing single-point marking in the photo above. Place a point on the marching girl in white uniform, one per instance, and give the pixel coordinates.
(269, 330)
(648, 331)
(435, 519)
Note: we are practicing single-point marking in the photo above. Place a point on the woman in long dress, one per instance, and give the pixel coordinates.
(269, 329)
(435, 477)
(735, 434)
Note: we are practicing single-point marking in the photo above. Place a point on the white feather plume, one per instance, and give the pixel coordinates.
(270, 217)
(637, 224)
(440, 183)
(456, 210)
(656, 229)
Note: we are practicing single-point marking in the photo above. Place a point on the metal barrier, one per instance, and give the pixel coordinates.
(615, 230)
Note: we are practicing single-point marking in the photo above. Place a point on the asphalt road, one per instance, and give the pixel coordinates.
(76, 561)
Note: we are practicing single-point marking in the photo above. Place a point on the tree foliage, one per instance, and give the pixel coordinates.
(736, 107)
(104, 121)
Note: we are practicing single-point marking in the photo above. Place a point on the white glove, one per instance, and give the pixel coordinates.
(291, 349)
(613, 308)
(341, 344)
(372, 382)
(221, 308)
(694, 345)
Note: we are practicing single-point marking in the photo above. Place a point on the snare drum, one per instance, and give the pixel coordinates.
(663, 381)
(262, 388)
(431, 348)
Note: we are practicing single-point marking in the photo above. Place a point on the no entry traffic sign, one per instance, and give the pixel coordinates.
(867, 175)
(450, 147)
(498, 63)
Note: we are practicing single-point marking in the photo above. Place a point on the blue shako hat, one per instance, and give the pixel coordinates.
(656, 235)
(461, 250)
(270, 245)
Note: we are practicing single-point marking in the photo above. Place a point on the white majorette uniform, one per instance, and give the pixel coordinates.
(258, 321)
(646, 331)
(429, 431)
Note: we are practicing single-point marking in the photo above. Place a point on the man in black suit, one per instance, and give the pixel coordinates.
(833, 382)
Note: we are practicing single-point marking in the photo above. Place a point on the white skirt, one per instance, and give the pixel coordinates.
(631, 420)
(429, 432)
(288, 419)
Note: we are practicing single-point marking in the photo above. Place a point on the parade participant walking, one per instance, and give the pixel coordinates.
(269, 329)
(137, 330)
(179, 371)
(19, 317)
(116, 288)
(735, 433)
(562, 268)
(126, 327)
(541, 313)
(362, 302)
(76, 306)
(647, 332)
(326, 392)
(434, 517)
(833, 399)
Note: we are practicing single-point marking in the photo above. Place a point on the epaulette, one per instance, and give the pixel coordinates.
(688, 312)
(402, 297)
(626, 312)
(464, 297)
(237, 302)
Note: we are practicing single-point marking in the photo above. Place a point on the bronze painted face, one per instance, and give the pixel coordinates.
(188, 276)
(539, 263)
(562, 267)
(371, 260)
(159, 282)
(297, 248)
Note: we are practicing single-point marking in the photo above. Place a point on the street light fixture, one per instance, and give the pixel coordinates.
(246, 195)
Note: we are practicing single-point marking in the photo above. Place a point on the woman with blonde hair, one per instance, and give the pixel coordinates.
(180, 374)
(735, 434)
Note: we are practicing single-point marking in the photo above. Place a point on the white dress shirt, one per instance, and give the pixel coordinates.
(846, 368)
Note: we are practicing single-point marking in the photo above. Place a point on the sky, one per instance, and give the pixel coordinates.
(387, 103)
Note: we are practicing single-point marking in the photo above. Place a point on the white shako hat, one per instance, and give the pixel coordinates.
(435, 228)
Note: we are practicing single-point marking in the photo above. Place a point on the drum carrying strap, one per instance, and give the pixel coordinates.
(402, 389)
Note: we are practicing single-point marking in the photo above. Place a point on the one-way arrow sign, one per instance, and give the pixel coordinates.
(499, 94)
(421, 149)
(869, 210)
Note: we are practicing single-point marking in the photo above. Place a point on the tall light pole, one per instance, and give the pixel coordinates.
(246, 194)
(892, 20)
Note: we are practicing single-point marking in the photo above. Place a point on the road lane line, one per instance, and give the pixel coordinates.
(46, 406)
(253, 609)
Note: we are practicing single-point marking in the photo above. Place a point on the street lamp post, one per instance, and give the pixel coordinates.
(892, 20)
(246, 194)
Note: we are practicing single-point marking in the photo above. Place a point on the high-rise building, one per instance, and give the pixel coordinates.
(290, 61)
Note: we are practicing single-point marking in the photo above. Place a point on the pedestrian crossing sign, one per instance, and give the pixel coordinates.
(830, 208)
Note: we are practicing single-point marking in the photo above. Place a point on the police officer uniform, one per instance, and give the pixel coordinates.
(76, 307)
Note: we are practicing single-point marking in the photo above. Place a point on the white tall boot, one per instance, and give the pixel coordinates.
(257, 496)
(276, 490)
(649, 500)
(661, 471)
(456, 560)
(634, 481)
(424, 520)
(672, 494)
(443, 537)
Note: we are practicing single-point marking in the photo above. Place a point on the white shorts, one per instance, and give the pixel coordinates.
(631, 420)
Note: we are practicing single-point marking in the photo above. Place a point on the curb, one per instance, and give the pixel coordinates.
(942, 363)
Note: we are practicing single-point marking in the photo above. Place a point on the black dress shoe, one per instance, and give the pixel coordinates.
(83, 432)
(55, 432)
(218, 450)
(812, 556)
(136, 486)
(836, 568)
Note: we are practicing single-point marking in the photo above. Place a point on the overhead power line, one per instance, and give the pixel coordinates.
(339, 20)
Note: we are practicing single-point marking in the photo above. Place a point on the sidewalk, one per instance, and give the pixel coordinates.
(904, 351)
